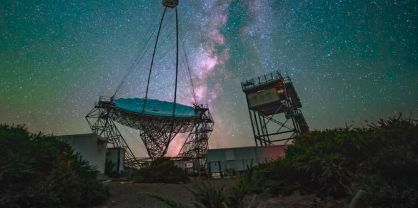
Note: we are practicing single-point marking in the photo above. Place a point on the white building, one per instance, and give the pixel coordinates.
(220, 162)
(234, 161)
(90, 146)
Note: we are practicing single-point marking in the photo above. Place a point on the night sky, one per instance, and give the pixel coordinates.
(350, 61)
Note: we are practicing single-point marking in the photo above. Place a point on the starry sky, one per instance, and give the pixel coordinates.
(350, 60)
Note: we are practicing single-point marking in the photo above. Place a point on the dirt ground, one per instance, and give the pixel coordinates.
(299, 201)
(126, 194)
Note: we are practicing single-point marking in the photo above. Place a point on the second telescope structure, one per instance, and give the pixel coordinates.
(274, 108)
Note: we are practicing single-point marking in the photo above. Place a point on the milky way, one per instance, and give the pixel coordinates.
(350, 61)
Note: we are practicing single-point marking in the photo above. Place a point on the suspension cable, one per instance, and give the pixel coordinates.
(123, 87)
(189, 72)
(177, 63)
(136, 61)
(177, 70)
(152, 60)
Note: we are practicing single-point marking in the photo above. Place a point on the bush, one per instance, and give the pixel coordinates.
(39, 170)
(161, 170)
(380, 159)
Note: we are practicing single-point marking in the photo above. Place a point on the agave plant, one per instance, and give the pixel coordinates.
(208, 196)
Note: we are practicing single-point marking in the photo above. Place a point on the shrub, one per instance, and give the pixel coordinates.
(161, 170)
(380, 159)
(39, 170)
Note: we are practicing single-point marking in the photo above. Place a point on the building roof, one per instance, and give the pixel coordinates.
(72, 136)
(249, 147)
(81, 136)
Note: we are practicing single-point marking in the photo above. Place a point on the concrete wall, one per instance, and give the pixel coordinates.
(231, 161)
(90, 147)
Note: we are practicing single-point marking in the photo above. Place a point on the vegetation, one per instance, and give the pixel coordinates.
(161, 170)
(207, 196)
(372, 166)
(380, 160)
(213, 197)
(40, 171)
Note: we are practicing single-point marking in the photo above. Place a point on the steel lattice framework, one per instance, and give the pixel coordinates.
(156, 132)
(274, 108)
(101, 123)
(196, 145)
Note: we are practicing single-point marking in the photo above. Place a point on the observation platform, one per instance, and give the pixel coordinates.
(270, 94)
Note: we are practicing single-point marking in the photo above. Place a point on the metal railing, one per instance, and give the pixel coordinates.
(266, 78)
(102, 102)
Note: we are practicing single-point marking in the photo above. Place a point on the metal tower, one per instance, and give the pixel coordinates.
(195, 147)
(274, 108)
(102, 124)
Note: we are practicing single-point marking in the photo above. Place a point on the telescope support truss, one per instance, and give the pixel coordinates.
(195, 147)
(274, 108)
(294, 124)
(156, 133)
(102, 125)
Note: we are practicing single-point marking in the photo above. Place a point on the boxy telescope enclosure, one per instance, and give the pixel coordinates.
(274, 108)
